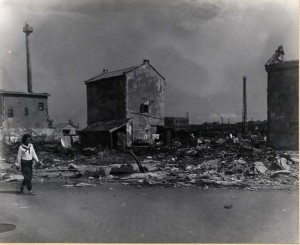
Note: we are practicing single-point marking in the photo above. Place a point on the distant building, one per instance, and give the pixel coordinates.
(67, 133)
(68, 128)
(283, 100)
(23, 113)
(177, 123)
(124, 106)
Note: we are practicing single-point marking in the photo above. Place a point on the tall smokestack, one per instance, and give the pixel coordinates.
(244, 105)
(27, 29)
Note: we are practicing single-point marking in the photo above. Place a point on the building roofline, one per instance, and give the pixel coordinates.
(157, 72)
(148, 65)
(283, 62)
(291, 64)
(63, 125)
(23, 93)
(126, 70)
(107, 125)
(94, 79)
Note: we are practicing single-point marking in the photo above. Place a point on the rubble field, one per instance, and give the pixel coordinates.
(215, 164)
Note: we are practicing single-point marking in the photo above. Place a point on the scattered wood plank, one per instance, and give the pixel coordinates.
(141, 168)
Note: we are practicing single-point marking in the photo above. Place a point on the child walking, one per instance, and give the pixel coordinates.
(26, 154)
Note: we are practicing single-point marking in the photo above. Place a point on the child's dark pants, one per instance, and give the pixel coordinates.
(26, 167)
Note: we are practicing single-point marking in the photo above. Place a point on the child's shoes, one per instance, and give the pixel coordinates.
(31, 193)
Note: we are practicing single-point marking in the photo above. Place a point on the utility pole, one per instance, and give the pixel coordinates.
(187, 116)
(244, 106)
(27, 29)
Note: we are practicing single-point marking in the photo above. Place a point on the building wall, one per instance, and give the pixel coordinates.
(106, 100)
(144, 84)
(35, 121)
(72, 130)
(283, 111)
(2, 118)
(61, 131)
(95, 138)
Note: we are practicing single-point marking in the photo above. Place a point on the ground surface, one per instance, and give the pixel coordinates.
(118, 213)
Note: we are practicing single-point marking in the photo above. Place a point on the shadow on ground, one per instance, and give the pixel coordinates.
(12, 192)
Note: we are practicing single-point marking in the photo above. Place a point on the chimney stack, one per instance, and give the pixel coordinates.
(27, 29)
(105, 70)
(146, 62)
(244, 106)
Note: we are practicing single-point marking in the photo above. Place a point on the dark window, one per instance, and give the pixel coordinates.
(10, 113)
(41, 106)
(144, 108)
(26, 111)
(66, 131)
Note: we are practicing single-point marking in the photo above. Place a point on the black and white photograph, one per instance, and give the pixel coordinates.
(149, 121)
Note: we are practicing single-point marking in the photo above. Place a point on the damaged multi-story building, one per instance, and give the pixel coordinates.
(125, 106)
(283, 101)
(23, 112)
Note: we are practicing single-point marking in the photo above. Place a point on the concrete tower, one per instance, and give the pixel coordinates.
(283, 101)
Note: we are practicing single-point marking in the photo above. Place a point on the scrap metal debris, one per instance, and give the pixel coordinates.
(221, 163)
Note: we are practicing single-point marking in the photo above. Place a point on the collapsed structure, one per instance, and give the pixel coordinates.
(125, 106)
(283, 109)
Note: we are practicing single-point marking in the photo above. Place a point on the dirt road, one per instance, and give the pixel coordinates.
(117, 213)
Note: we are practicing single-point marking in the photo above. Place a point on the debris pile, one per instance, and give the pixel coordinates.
(220, 163)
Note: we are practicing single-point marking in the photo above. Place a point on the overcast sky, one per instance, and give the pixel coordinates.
(202, 48)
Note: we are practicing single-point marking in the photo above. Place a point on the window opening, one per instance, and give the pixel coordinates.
(41, 106)
(10, 113)
(66, 131)
(26, 111)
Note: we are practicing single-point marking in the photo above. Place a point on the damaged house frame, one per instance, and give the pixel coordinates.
(124, 106)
